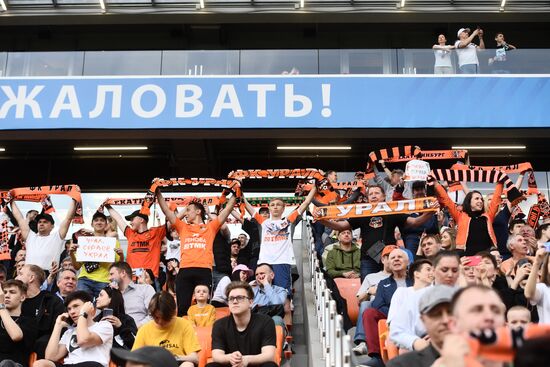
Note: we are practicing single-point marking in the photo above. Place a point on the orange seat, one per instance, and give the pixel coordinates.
(348, 290)
(279, 350)
(388, 350)
(383, 334)
(221, 312)
(32, 358)
(204, 334)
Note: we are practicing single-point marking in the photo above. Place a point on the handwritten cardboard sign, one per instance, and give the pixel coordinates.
(417, 170)
(98, 249)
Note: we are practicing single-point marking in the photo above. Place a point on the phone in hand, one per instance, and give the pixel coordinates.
(68, 320)
(138, 272)
(473, 260)
(107, 312)
(522, 262)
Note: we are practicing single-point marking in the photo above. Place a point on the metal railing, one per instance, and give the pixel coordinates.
(336, 344)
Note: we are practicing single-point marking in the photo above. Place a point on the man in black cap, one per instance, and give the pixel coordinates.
(435, 310)
(45, 246)
(143, 243)
(143, 357)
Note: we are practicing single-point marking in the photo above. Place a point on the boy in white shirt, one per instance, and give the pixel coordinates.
(85, 343)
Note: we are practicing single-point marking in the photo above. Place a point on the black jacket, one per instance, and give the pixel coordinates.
(50, 307)
(127, 331)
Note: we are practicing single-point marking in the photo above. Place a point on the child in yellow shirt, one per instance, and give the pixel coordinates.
(201, 314)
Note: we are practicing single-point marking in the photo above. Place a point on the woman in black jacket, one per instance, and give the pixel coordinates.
(124, 326)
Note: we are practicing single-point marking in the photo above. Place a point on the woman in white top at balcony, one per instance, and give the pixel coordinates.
(442, 52)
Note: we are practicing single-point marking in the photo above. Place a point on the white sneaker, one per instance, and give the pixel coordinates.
(360, 349)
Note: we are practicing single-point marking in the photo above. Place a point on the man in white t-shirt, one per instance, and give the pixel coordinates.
(85, 342)
(46, 245)
(466, 50)
(276, 238)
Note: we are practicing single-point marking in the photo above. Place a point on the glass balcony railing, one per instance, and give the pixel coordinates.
(266, 62)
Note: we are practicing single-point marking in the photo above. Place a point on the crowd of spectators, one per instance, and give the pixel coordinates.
(169, 281)
(433, 276)
(459, 278)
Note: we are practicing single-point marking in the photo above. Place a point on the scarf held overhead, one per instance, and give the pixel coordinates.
(325, 192)
(228, 184)
(478, 175)
(40, 194)
(427, 204)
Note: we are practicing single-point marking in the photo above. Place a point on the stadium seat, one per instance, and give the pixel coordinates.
(32, 358)
(388, 350)
(383, 334)
(279, 351)
(221, 312)
(348, 290)
(204, 334)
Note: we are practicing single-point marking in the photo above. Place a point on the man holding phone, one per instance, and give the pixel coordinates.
(466, 50)
(85, 343)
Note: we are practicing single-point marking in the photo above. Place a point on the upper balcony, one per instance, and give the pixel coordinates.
(258, 62)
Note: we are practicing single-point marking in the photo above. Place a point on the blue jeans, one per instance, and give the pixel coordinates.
(216, 277)
(469, 69)
(359, 328)
(90, 286)
(283, 278)
(318, 230)
(368, 266)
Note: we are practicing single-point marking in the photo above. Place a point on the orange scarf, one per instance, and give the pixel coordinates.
(40, 194)
(174, 203)
(427, 204)
(325, 192)
(524, 168)
(462, 173)
(229, 184)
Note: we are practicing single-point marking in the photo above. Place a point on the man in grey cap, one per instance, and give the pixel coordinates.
(434, 307)
(144, 357)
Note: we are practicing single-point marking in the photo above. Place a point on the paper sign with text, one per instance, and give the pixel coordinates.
(98, 249)
(417, 170)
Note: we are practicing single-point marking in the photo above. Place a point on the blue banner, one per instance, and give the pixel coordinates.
(340, 101)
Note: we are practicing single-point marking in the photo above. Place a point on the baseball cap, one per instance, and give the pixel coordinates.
(99, 215)
(45, 216)
(388, 249)
(242, 267)
(462, 30)
(136, 213)
(154, 356)
(434, 296)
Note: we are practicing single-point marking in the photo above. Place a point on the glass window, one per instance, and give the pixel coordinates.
(122, 63)
(3, 57)
(45, 63)
(276, 62)
(200, 62)
(357, 61)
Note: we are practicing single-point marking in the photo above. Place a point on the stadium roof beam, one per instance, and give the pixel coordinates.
(3, 5)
